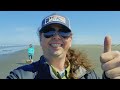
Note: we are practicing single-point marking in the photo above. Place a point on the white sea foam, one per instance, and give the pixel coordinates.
(11, 49)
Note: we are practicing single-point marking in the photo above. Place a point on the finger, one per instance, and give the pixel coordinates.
(107, 44)
(111, 64)
(105, 57)
(118, 77)
(113, 73)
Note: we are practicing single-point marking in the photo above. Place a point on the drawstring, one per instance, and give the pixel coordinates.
(58, 75)
(66, 74)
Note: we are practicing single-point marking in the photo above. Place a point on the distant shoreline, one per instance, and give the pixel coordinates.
(11, 49)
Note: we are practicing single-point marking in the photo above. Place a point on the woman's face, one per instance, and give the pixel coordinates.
(55, 45)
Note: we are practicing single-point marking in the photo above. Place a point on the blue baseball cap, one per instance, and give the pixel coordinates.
(55, 19)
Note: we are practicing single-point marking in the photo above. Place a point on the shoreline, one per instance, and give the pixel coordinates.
(12, 49)
(11, 61)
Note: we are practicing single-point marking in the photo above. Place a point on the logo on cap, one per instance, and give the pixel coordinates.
(55, 18)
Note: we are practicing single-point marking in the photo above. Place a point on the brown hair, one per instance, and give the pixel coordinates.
(77, 59)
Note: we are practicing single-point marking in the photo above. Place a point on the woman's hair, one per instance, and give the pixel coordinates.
(77, 59)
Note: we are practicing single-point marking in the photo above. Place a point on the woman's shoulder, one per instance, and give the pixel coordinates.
(83, 73)
(24, 72)
(91, 74)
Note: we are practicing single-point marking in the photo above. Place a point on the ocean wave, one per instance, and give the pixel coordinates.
(9, 50)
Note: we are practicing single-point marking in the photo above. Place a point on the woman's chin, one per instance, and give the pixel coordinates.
(56, 53)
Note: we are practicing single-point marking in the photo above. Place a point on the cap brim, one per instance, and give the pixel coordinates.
(64, 26)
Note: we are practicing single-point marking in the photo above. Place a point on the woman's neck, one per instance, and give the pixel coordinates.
(56, 62)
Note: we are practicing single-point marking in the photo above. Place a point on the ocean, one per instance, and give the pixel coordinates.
(11, 49)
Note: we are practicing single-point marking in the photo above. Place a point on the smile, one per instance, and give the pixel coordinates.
(56, 45)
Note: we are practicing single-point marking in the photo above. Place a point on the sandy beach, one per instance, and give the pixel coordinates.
(11, 61)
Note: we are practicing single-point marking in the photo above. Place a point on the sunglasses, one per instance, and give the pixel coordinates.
(50, 32)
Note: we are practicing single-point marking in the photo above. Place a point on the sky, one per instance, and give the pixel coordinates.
(88, 27)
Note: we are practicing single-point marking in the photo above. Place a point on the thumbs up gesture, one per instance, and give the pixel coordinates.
(110, 60)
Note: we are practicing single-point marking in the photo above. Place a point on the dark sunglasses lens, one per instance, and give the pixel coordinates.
(49, 34)
(65, 34)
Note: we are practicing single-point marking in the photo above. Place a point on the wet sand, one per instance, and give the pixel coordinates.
(11, 61)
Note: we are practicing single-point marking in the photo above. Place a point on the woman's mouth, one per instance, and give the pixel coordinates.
(56, 45)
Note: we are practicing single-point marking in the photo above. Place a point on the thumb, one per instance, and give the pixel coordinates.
(107, 44)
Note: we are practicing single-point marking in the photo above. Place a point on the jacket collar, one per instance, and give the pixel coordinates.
(80, 72)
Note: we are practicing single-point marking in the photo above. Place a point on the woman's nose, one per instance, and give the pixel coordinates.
(56, 36)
